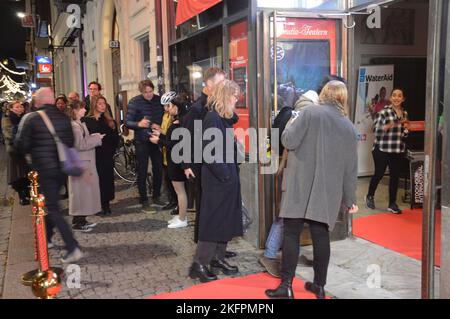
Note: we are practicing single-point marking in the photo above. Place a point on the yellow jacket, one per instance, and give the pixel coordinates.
(166, 122)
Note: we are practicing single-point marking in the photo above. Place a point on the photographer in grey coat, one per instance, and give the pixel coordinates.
(319, 181)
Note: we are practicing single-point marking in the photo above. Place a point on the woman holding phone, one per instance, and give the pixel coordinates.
(391, 130)
(84, 191)
(177, 109)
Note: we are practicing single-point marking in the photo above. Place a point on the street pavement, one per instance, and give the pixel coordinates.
(134, 255)
(5, 216)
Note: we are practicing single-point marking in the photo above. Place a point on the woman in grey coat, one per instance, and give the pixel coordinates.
(84, 191)
(319, 181)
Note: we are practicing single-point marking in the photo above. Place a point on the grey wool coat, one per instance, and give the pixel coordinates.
(84, 191)
(321, 173)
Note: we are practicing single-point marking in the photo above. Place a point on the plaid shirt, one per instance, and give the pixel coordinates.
(391, 141)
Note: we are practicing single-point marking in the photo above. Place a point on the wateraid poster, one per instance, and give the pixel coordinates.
(375, 85)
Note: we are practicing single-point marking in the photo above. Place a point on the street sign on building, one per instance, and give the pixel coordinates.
(45, 68)
(114, 44)
(43, 60)
(28, 21)
(44, 65)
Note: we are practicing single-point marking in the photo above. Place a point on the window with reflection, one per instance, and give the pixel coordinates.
(303, 4)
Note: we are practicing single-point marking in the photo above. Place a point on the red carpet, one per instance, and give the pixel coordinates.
(400, 233)
(249, 287)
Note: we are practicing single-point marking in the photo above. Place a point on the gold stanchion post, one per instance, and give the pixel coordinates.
(45, 282)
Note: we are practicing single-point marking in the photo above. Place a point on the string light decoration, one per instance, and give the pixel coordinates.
(11, 71)
(12, 87)
(9, 88)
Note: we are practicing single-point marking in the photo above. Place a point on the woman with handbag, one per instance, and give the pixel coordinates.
(317, 186)
(84, 191)
(99, 120)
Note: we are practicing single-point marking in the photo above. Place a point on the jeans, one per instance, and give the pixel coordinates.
(144, 150)
(382, 161)
(275, 239)
(291, 248)
(50, 186)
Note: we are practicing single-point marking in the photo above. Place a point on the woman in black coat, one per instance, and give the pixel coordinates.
(16, 165)
(221, 203)
(100, 121)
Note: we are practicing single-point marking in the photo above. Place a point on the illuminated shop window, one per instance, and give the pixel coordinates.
(303, 4)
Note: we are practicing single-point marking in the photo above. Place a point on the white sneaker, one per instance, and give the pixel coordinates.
(178, 223)
(72, 257)
(175, 218)
(90, 225)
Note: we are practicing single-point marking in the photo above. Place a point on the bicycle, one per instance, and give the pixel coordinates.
(125, 161)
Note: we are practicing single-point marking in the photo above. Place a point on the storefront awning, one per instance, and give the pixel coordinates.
(190, 8)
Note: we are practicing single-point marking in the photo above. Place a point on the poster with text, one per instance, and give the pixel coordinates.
(375, 85)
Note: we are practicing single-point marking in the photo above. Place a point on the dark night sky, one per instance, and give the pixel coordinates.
(12, 34)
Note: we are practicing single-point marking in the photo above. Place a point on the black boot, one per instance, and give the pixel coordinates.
(225, 267)
(284, 291)
(315, 289)
(201, 272)
(24, 199)
(175, 211)
(230, 254)
(170, 206)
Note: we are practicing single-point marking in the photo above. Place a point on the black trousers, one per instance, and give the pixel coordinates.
(382, 161)
(79, 220)
(172, 195)
(207, 251)
(291, 248)
(50, 185)
(144, 150)
(197, 184)
(21, 186)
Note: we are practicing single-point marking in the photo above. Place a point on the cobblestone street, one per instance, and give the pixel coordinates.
(134, 255)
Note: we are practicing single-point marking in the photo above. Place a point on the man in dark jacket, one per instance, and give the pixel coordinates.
(95, 90)
(145, 113)
(35, 139)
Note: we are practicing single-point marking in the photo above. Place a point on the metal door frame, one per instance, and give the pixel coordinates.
(261, 101)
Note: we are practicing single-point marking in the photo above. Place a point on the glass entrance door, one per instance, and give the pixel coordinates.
(295, 54)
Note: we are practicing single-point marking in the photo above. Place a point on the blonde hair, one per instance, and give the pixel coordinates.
(11, 104)
(109, 119)
(335, 93)
(220, 97)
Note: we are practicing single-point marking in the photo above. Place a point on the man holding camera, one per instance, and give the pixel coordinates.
(145, 114)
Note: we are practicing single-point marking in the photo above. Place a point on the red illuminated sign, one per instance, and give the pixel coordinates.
(45, 68)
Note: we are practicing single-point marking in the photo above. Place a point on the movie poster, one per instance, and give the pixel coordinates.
(375, 85)
(306, 52)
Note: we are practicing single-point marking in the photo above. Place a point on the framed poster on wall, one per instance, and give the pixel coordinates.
(306, 52)
(374, 86)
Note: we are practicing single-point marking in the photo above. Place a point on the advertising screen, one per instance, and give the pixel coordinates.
(304, 63)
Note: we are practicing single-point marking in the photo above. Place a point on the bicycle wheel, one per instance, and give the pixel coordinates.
(125, 167)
